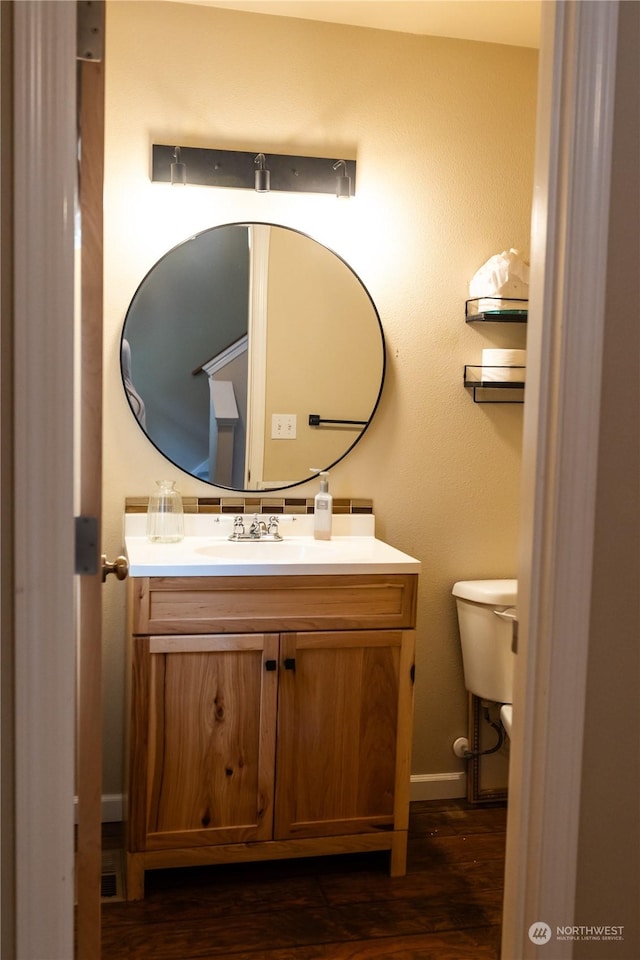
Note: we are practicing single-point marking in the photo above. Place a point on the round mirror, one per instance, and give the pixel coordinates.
(252, 354)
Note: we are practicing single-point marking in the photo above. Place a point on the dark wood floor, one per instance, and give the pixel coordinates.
(447, 907)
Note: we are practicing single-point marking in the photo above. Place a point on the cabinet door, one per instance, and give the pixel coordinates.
(344, 721)
(204, 714)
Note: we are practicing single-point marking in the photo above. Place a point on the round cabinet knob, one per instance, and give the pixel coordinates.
(120, 567)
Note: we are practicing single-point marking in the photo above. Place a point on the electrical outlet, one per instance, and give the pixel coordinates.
(283, 426)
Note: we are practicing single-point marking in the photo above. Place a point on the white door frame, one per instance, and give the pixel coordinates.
(260, 236)
(560, 447)
(45, 645)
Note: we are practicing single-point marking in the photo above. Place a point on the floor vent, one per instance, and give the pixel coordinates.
(111, 881)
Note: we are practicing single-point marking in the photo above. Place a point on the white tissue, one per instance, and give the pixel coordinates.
(504, 275)
(504, 366)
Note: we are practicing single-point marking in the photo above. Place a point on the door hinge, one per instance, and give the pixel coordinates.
(87, 539)
(90, 30)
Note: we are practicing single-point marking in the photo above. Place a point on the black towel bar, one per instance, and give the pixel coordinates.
(315, 420)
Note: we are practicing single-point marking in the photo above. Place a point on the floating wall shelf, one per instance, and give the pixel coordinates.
(517, 314)
(492, 390)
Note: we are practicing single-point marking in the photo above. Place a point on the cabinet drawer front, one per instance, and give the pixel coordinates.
(166, 605)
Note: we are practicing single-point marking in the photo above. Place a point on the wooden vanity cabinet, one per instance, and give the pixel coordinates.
(278, 726)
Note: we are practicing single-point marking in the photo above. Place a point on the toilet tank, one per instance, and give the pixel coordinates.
(485, 638)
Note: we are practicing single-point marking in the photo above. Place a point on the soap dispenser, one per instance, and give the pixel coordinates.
(323, 509)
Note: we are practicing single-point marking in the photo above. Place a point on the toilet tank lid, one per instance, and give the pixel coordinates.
(487, 591)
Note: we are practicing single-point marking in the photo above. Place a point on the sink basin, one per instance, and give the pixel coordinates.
(294, 550)
(208, 556)
(206, 550)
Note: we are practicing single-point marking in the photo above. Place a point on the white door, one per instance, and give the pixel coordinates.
(58, 443)
(560, 446)
(44, 160)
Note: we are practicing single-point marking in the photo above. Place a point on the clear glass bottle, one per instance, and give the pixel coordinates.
(165, 516)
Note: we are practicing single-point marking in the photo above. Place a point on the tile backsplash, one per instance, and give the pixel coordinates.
(254, 503)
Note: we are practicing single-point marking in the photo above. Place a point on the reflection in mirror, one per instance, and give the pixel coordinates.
(234, 339)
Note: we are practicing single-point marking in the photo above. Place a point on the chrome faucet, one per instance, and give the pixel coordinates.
(259, 529)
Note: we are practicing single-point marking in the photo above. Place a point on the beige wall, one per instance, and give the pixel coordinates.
(443, 133)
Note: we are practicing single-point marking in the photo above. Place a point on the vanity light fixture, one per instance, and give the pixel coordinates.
(248, 170)
(262, 175)
(343, 180)
(178, 168)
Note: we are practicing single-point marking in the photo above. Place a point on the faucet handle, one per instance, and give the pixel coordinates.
(273, 529)
(273, 525)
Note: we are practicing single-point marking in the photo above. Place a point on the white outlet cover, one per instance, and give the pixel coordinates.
(283, 426)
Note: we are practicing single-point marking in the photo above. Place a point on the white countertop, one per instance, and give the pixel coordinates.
(206, 550)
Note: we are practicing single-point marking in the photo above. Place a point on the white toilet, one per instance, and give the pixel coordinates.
(486, 613)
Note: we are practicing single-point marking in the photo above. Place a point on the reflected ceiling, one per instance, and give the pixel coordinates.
(513, 22)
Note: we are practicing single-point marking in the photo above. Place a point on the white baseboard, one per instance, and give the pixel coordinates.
(438, 786)
(112, 808)
(427, 786)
